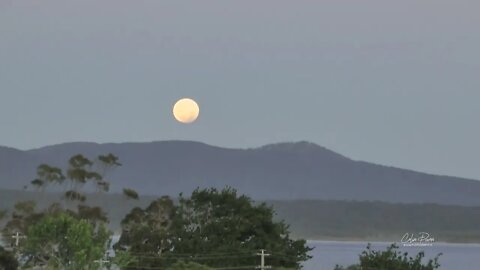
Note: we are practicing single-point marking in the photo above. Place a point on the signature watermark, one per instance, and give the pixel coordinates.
(421, 239)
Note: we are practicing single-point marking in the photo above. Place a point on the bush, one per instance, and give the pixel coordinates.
(392, 259)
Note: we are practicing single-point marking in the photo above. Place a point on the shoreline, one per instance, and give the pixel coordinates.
(383, 242)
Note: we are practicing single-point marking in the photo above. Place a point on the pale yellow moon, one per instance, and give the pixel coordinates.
(186, 110)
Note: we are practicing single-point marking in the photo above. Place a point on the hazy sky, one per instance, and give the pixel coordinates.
(391, 82)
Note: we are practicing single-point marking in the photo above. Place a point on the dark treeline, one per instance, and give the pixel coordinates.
(379, 220)
(317, 219)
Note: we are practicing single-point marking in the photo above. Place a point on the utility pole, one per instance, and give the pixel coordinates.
(102, 262)
(262, 265)
(17, 238)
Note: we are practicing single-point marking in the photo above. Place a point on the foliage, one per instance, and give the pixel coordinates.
(7, 260)
(181, 265)
(123, 258)
(80, 172)
(65, 236)
(212, 221)
(65, 242)
(392, 259)
(215, 228)
(130, 193)
(147, 232)
(94, 214)
(22, 216)
(202, 228)
(317, 219)
(47, 175)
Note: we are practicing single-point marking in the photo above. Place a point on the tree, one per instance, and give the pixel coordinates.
(65, 242)
(215, 222)
(217, 228)
(147, 232)
(392, 259)
(22, 216)
(7, 260)
(130, 193)
(62, 236)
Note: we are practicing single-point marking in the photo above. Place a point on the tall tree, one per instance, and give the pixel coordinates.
(214, 228)
(65, 242)
(65, 236)
(392, 259)
(219, 222)
(147, 232)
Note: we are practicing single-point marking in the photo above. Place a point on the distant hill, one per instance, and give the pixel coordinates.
(286, 171)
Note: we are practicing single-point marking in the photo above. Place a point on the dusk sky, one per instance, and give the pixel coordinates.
(391, 82)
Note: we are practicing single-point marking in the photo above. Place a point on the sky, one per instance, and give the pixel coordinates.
(390, 82)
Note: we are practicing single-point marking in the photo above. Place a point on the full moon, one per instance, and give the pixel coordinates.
(186, 110)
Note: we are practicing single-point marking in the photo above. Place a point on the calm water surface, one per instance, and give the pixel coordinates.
(455, 256)
(327, 254)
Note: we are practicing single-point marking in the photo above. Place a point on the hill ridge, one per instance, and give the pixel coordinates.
(288, 170)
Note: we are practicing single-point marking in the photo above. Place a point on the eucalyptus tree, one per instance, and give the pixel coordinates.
(46, 176)
(63, 241)
(69, 227)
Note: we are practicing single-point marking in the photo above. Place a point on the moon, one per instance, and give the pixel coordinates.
(186, 110)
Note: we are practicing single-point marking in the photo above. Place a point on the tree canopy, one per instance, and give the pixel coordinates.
(70, 233)
(392, 259)
(65, 242)
(215, 228)
(209, 229)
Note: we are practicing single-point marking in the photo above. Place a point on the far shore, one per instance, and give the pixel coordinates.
(116, 237)
(377, 241)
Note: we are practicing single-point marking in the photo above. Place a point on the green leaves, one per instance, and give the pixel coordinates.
(392, 259)
(148, 230)
(93, 214)
(25, 208)
(37, 183)
(47, 175)
(208, 223)
(80, 171)
(65, 242)
(109, 160)
(70, 237)
(73, 195)
(130, 193)
(79, 161)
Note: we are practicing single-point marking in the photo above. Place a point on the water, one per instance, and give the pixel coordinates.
(329, 253)
(455, 256)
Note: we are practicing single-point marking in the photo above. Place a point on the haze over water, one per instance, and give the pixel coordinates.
(329, 253)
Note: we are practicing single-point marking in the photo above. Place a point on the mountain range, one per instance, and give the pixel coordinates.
(284, 171)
